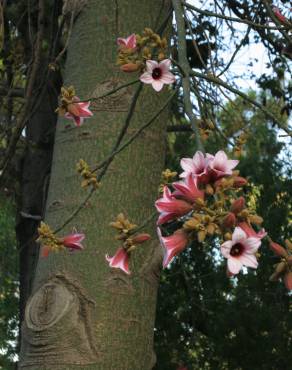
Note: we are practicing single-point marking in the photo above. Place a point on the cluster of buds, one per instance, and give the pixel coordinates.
(206, 203)
(136, 49)
(167, 178)
(283, 269)
(127, 234)
(239, 143)
(51, 243)
(206, 127)
(71, 107)
(89, 178)
(146, 53)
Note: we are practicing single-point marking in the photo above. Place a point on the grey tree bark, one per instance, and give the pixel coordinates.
(82, 314)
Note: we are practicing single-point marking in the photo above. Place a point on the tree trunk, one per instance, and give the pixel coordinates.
(82, 314)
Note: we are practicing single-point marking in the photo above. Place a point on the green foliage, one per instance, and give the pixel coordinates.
(204, 319)
(8, 284)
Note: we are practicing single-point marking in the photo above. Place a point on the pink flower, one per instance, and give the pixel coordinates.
(170, 207)
(240, 251)
(157, 74)
(198, 166)
(188, 189)
(220, 165)
(172, 244)
(120, 260)
(250, 231)
(73, 241)
(77, 111)
(129, 42)
(279, 15)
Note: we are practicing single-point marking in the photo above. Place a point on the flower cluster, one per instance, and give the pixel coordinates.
(51, 243)
(136, 49)
(130, 238)
(146, 53)
(283, 269)
(71, 107)
(89, 178)
(206, 203)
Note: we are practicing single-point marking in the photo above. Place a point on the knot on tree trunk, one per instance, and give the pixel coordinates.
(58, 309)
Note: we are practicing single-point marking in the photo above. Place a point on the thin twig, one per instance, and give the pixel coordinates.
(185, 67)
(218, 81)
(227, 18)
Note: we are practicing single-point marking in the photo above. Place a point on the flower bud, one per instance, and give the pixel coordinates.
(209, 190)
(130, 67)
(288, 244)
(238, 205)
(239, 181)
(280, 269)
(229, 220)
(140, 238)
(201, 236)
(227, 236)
(73, 109)
(288, 280)
(278, 249)
(255, 219)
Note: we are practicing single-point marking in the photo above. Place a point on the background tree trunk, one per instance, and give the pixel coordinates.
(82, 314)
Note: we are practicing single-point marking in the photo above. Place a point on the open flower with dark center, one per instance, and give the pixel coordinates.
(157, 74)
(240, 251)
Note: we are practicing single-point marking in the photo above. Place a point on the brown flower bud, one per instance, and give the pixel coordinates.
(209, 190)
(73, 109)
(238, 205)
(211, 229)
(227, 236)
(288, 280)
(278, 249)
(288, 244)
(229, 220)
(255, 219)
(239, 181)
(201, 236)
(140, 238)
(280, 270)
(130, 67)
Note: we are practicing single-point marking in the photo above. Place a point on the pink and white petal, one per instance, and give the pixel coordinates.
(232, 163)
(131, 41)
(252, 245)
(234, 265)
(78, 120)
(249, 260)
(157, 85)
(146, 77)
(199, 159)
(68, 115)
(225, 248)
(187, 164)
(151, 64)
(238, 235)
(167, 78)
(220, 158)
(165, 217)
(165, 64)
(121, 41)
